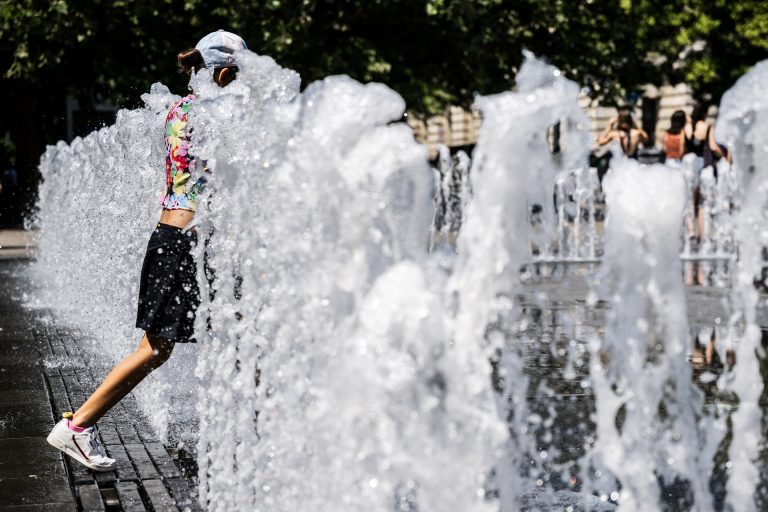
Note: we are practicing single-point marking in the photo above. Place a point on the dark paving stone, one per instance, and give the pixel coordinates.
(162, 460)
(59, 507)
(36, 418)
(110, 497)
(144, 466)
(73, 384)
(23, 381)
(123, 466)
(16, 336)
(15, 424)
(28, 449)
(48, 507)
(119, 414)
(129, 403)
(16, 358)
(24, 396)
(58, 351)
(130, 499)
(59, 397)
(37, 410)
(22, 343)
(105, 478)
(59, 410)
(78, 473)
(90, 498)
(69, 369)
(147, 436)
(14, 376)
(127, 432)
(158, 496)
(181, 494)
(35, 491)
(108, 434)
(55, 381)
(54, 469)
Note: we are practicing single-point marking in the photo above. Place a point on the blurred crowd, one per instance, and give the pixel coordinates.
(687, 133)
(689, 136)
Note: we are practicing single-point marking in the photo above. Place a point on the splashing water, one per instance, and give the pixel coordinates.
(647, 432)
(512, 162)
(576, 192)
(329, 337)
(340, 364)
(742, 125)
(452, 195)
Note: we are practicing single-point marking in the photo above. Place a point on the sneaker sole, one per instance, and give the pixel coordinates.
(66, 450)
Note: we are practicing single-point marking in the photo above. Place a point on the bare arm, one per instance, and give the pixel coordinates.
(605, 137)
(713, 144)
(607, 134)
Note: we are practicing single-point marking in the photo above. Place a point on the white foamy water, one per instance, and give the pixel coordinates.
(743, 124)
(333, 373)
(337, 334)
(511, 171)
(646, 402)
(346, 367)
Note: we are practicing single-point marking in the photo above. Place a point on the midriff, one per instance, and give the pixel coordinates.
(178, 218)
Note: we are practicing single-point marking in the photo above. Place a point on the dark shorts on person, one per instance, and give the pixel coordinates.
(168, 292)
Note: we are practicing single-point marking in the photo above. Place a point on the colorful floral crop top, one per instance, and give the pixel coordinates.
(182, 189)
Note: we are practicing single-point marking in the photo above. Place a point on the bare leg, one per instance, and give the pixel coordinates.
(710, 351)
(151, 353)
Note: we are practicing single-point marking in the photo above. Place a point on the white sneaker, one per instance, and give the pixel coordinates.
(84, 446)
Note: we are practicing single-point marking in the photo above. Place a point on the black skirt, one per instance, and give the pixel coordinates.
(168, 292)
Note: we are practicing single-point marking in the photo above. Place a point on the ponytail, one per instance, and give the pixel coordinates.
(189, 60)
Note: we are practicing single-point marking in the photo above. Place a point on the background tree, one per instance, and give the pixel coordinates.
(433, 52)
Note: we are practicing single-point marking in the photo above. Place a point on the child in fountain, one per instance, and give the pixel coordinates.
(168, 294)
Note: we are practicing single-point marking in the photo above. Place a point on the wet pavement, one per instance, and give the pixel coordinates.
(551, 346)
(33, 395)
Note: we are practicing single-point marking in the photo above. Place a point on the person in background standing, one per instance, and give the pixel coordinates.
(701, 137)
(624, 130)
(675, 140)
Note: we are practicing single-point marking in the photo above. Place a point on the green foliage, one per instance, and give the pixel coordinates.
(434, 52)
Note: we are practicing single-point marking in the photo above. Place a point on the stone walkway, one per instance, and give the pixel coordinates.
(33, 475)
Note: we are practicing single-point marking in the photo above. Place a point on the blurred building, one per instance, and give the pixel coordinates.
(456, 128)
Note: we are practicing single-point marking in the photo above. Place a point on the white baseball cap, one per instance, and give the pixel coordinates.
(217, 49)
